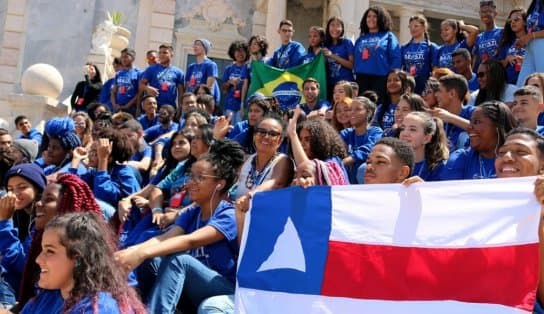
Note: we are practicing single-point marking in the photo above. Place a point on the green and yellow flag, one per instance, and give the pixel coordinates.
(286, 85)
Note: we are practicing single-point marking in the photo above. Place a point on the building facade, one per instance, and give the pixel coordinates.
(59, 33)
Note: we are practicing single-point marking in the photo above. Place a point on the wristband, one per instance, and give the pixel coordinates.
(156, 210)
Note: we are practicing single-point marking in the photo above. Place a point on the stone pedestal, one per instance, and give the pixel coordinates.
(41, 84)
(38, 109)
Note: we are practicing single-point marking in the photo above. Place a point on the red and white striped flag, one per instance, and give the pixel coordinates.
(446, 247)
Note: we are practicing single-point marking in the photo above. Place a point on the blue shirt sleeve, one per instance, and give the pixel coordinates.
(360, 152)
(13, 252)
(394, 52)
(111, 188)
(455, 166)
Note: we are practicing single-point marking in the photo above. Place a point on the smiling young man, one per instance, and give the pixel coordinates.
(313, 105)
(291, 53)
(390, 161)
(22, 123)
(487, 42)
(528, 104)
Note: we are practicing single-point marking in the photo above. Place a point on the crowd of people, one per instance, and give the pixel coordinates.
(136, 202)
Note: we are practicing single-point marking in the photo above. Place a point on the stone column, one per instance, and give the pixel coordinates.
(277, 11)
(405, 13)
(11, 53)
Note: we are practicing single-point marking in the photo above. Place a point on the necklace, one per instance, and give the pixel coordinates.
(255, 177)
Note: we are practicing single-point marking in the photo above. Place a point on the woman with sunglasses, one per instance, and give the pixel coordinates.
(201, 247)
(493, 84)
(266, 169)
(511, 56)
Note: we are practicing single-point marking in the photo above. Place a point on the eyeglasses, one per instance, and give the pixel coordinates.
(265, 132)
(481, 74)
(82, 123)
(198, 178)
(514, 19)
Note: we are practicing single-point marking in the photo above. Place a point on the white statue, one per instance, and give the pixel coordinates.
(101, 40)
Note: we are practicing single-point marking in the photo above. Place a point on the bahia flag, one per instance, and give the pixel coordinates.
(445, 247)
(286, 84)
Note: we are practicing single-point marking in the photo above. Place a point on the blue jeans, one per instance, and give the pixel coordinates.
(221, 304)
(533, 61)
(7, 295)
(203, 283)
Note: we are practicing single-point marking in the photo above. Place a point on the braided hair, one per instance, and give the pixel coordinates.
(74, 196)
(226, 157)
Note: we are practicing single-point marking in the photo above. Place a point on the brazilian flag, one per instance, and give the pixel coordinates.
(286, 84)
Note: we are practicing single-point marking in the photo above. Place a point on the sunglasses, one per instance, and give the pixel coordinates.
(514, 19)
(481, 74)
(265, 132)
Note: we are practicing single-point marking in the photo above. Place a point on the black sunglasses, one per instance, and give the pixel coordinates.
(264, 132)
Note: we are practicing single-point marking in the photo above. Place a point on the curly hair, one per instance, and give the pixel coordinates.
(122, 148)
(226, 157)
(74, 196)
(325, 142)
(385, 22)
(263, 44)
(91, 244)
(238, 45)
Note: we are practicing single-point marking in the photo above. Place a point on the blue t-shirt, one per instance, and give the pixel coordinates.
(457, 137)
(486, 45)
(233, 97)
(321, 104)
(51, 302)
(422, 170)
(376, 54)
(512, 71)
(309, 57)
(337, 72)
(154, 132)
(535, 18)
(220, 256)
(140, 154)
(35, 135)
(387, 116)
(127, 85)
(443, 56)
(473, 83)
(359, 147)
(288, 56)
(198, 74)
(175, 181)
(166, 80)
(238, 128)
(417, 60)
(105, 93)
(146, 123)
(468, 164)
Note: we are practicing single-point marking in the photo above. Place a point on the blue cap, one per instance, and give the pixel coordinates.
(30, 172)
